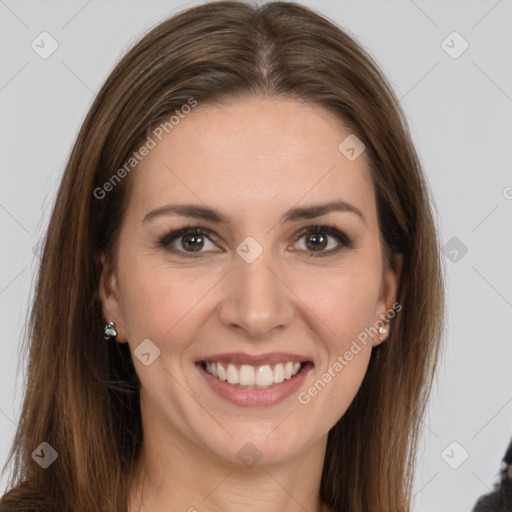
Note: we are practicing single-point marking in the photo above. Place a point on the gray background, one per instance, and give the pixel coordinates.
(459, 111)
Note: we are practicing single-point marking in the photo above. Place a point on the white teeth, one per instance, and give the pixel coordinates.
(264, 376)
(278, 373)
(232, 374)
(253, 376)
(247, 375)
(288, 370)
(220, 371)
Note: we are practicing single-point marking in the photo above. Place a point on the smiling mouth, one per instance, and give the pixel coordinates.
(247, 376)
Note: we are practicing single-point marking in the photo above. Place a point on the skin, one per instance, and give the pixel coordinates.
(252, 159)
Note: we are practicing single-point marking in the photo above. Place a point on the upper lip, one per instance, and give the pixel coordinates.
(257, 360)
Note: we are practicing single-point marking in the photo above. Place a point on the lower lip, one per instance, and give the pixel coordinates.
(256, 397)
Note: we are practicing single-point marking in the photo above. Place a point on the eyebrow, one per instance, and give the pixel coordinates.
(205, 213)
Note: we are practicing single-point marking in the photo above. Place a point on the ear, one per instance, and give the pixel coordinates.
(387, 296)
(109, 296)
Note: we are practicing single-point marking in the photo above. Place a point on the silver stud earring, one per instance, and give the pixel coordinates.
(382, 332)
(109, 332)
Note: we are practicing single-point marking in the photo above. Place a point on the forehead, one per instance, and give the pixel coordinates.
(253, 154)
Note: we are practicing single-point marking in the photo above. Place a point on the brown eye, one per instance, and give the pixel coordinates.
(193, 242)
(316, 239)
(187, 241)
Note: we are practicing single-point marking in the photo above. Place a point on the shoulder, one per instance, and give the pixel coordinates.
(500, 500)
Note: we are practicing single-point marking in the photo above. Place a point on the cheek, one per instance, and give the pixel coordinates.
(335, 384)
(345, 301)
(346, 307)
(161, 303)
(339, 375)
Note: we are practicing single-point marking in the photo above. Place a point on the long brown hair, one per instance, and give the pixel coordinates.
(82, 396)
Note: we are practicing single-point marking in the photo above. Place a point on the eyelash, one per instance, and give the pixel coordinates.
(343, 239)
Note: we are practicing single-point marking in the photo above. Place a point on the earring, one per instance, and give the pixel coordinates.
(383, 332)
(109, 332)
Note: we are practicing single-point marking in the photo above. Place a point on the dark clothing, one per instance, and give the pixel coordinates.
(500, 499)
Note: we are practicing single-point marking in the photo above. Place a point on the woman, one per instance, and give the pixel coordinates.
(240, 299)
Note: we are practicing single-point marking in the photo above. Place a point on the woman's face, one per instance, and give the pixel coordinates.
(252, 294)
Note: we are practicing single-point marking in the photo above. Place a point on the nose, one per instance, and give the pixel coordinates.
(256, 301)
